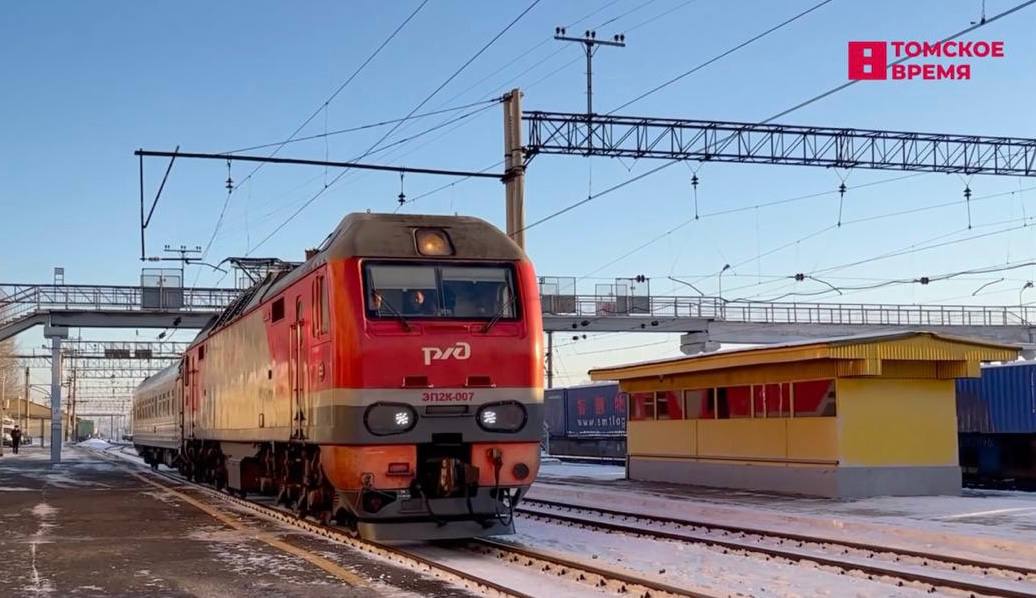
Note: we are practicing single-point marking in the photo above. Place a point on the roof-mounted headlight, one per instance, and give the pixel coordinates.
(433, 241)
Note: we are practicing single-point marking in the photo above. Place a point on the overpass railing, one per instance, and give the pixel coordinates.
(713, 308)
(22, 300)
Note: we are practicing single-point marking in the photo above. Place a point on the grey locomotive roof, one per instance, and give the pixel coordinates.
(387, 236)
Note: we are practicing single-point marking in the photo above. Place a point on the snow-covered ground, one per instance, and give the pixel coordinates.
(697, 566)
(979, 524)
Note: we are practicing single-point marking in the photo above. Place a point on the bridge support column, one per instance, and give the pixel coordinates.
(55, 334)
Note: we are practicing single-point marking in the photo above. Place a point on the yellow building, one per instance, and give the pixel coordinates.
(848, 417)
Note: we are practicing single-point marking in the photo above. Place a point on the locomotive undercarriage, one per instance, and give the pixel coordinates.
(442, 501)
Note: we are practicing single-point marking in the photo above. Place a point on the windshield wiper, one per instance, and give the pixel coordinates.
(395, 312)
(499, 314)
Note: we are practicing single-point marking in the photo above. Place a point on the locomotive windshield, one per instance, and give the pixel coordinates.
(449, 291)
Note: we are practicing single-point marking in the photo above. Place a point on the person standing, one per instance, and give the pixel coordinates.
(16, 438)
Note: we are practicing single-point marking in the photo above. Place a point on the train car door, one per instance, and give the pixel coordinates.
(190, 398)
(297, 360)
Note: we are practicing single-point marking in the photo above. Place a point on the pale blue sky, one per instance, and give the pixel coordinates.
(84, 84)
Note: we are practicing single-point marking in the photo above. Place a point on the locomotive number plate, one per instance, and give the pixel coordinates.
(440, 397)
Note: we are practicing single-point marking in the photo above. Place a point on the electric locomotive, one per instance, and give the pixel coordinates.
(392, 382)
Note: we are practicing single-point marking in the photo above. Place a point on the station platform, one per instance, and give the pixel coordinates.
(92, 527)
(999, 526)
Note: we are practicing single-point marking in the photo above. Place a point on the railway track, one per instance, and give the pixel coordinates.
(543, 563)
(876, 562)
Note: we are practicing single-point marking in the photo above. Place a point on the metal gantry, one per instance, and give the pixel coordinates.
(719, 141)
(23, 306)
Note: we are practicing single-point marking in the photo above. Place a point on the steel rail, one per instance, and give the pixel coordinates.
(649, 587)
(399, 554)
(873, 570)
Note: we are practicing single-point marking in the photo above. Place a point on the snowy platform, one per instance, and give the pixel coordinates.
(90, 527)
(990, 525)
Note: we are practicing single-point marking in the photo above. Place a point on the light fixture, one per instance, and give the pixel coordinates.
(432, 241)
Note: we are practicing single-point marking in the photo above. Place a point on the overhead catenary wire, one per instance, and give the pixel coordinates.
(722, 55)
(348, 80)
(785, 112)
(375, 125)
(374, 146)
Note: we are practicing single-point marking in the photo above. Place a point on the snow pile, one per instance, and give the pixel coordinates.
(95, 443)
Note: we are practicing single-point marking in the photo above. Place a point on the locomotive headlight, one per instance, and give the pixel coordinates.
(432, 241)
(507, 416)
(383, 419)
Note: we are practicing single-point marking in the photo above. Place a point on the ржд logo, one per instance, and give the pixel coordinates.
(459, 351)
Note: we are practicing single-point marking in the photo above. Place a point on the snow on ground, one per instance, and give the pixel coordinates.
(580, 471)
(523, 579)
(95, 443)
(979, 524)
(689, 565)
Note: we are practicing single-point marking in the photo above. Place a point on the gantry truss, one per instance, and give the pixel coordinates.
(718, 141)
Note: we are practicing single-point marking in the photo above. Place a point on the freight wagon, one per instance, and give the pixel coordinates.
(996, 418)
(586, 421)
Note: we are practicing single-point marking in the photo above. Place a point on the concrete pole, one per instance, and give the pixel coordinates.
(55, 334)
(25, 418)
(514, 167)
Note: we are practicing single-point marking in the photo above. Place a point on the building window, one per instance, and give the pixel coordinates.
(815, 398)
(699, 404)
(734, 402)
(771, 400)
(642, 405)
(668, 405)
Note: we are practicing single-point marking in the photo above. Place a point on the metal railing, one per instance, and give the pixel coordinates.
(23, 300)
(713, 308)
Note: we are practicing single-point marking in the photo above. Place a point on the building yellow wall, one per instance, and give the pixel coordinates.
(669, 438)
(884, 422)
(807, 440)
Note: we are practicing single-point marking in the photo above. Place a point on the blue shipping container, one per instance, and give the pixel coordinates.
(597, 410)
(1002, 401)
(554, 411)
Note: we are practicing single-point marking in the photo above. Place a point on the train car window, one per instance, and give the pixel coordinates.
(277, 310)
(477, 292)
(642, 405)
(201, 352)
(668, 405)
(324, 311)
(814, 398)
(465, 292)
(699, 404)
(734, 402)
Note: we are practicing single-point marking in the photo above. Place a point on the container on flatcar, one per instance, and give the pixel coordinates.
(554, 411)
(595, 410)
(1002, 401)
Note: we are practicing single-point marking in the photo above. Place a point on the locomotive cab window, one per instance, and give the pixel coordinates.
(446, 291)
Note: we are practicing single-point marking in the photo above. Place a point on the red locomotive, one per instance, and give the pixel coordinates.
(393, 383)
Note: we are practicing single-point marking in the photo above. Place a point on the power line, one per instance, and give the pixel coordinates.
(226, 202)
(905, 58)
(343, 85)
(778, 115)
(280, 144)
(723, 55)
(457, 72)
